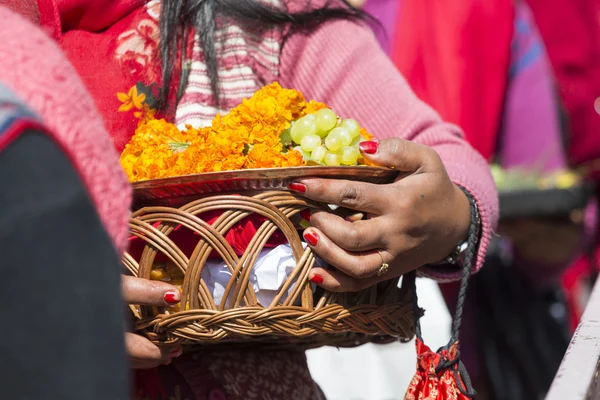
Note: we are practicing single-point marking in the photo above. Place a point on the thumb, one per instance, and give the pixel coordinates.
(400, 154)
(146, 292)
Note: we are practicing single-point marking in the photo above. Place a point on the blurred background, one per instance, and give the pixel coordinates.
(522, 78)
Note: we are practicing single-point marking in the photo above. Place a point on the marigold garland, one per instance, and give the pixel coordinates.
(247, 137)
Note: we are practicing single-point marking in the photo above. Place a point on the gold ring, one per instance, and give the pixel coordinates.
(384, 266)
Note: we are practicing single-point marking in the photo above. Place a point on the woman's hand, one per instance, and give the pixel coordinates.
(418, 219)
(142, 352)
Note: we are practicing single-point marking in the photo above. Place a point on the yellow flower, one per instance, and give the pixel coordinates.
(131, 99)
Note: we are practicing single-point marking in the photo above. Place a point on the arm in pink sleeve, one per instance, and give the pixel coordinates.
(341, 64)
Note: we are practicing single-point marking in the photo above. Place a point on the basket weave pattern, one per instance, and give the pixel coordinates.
(305, 318)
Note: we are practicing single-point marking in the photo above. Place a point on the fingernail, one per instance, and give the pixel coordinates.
(312, 238)
(176, 353)
(297, 187)
(354, 217)
(369, 147)
(318, 279)
(172, 297)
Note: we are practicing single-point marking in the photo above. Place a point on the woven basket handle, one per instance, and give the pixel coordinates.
(470, 256)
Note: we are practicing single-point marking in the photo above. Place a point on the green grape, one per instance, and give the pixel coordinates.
(352, 126)
(343, 135)
(349, 155)
(318, 154)
(304, 126)
(332, 159)
(325, 119)
(286, 137)
(333, 142)
(310, 142)
(305, 154)
(322, 134)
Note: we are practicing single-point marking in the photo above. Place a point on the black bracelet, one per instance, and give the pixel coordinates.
(458, 255)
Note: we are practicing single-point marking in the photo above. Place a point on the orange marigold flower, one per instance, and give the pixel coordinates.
(131, 99)
(246, 137)
(263, 156)
(313, 106)
(145, 115)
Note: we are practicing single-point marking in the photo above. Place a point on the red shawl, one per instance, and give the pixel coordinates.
(575, 56)
(455, 54)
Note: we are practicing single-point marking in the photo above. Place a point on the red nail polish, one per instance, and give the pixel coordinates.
(171, 297)
(312, 238)
(297, 187)
(318, 279)
(369, 147)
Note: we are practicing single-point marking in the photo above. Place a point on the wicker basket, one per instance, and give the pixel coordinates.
(306, 318)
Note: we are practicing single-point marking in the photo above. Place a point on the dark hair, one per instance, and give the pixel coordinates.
(180, 17)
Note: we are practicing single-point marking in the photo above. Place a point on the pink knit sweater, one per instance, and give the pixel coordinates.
(35, 69)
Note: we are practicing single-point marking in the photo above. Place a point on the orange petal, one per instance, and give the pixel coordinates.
(133, 91)
(123, 97)
(126, 107)
(138, 100)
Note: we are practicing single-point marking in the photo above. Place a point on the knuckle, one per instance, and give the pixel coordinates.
(432, 158)
(349, 196)
(396, 147)
(406, 204)
(317, 186)
(359, 270)
(354, 238)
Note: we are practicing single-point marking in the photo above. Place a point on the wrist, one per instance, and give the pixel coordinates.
(460, 233)
(463, 216)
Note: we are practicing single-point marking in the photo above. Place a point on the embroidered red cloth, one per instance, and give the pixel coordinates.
(429, 384)
(239, 237)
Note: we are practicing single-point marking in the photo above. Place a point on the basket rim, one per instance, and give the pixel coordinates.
(339, 172)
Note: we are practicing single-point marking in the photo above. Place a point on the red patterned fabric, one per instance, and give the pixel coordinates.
(427, 384)
(239, 237)
(243, 374)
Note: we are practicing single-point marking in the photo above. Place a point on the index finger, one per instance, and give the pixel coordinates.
(360, 196)
(146, 292)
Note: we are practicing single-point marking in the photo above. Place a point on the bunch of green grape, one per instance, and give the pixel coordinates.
(323, 138)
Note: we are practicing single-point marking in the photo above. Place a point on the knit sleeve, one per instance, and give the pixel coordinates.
(341, 64)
